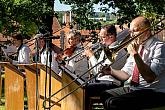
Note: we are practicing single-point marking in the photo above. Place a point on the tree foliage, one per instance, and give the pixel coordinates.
(124, 9)
(25, 16)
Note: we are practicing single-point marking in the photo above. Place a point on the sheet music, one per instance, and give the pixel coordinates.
(6, 54)
(9, 50)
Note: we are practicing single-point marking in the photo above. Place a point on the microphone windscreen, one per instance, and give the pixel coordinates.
(38, 36)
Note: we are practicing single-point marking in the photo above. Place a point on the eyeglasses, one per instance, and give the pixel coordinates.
(135, 30)
(106, 35)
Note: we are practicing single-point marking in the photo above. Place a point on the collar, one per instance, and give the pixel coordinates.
(148, 42)
(114, 44)
(18, 48)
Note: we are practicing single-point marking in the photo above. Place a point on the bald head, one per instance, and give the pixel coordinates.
(140, 27)
(141, 23)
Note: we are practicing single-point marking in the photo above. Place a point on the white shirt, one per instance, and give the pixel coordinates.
(118, 64)
(23, 55)
(77, 66)
(154, 56)
(54, 64)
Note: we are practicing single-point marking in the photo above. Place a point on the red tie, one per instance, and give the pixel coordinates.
(135, 77)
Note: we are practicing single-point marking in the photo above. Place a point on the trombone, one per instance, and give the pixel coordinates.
(44, 102)
(110, 52)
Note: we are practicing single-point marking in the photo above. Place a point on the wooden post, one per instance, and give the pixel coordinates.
(30, 71)
(14, 87)
(0, 85)
(56, 84)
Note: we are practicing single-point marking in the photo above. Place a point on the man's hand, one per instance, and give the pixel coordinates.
(133, 48)
(106, 70)
(88, 52)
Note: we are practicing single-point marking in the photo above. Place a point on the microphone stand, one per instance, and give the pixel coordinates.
(48, 44)
(37, 60)
(49, 56)
(48, 49)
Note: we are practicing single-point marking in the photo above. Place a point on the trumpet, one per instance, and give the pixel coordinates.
(110, 53)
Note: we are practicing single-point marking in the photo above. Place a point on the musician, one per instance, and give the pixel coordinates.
(105, 82)
(23, 51)
(76, 65)
(43, 54)
(146, 65)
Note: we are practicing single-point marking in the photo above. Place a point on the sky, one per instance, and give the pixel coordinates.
(61, 7)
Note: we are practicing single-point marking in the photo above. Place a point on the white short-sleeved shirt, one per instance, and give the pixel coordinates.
(154, 56)
(23, 55)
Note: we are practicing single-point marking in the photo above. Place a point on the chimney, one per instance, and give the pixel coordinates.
(67, 17)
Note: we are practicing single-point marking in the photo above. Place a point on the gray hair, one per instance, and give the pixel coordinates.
(74, 33)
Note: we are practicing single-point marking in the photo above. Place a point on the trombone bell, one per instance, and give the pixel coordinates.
(110, 53)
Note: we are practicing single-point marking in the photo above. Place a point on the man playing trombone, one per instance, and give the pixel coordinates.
(104, 82)
(146, 66)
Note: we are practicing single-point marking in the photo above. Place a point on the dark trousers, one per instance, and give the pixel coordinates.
(94, 89)
(125, 99)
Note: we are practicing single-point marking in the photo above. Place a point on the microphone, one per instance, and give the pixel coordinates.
(37, 36)
(52, 37)
(46, 36)
(41, 35)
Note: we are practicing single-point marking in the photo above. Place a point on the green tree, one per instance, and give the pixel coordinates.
(124, 9)
(25, 16)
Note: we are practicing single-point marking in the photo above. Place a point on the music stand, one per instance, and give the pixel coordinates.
(14, 87)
